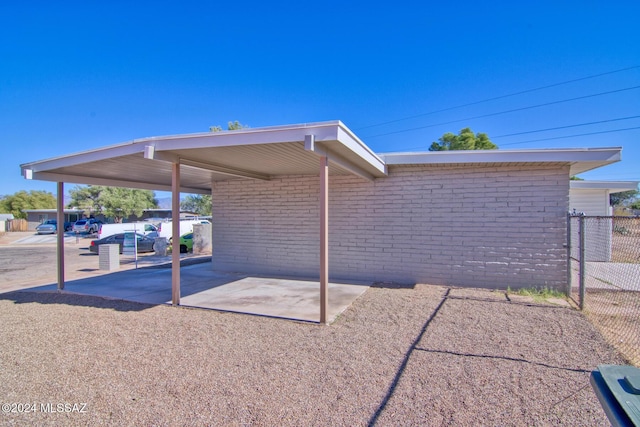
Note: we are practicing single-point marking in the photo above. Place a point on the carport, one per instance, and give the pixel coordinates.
(192, 163)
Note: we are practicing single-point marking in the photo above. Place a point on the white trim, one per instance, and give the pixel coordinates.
(48, 176)
(610, 154)
(311, 145)
(612, 186)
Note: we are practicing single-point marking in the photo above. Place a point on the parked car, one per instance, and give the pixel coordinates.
(145, 244)
(50, 226)
(165, 229)
(90, 225)
(142, 227)
(186, 243)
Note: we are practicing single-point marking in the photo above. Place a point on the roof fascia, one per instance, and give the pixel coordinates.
(569, 155)
(315, 147)
(612, 186)
(83, 157)
(353, 143)
(324, 131)
(57, 177)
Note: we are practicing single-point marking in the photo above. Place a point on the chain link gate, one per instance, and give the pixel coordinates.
(604, 277)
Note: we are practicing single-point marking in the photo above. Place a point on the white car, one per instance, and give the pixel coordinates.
(48, 227)
(90, 225)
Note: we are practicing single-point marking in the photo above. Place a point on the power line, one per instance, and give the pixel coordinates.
(566, 127)
(507, 111)
(573, 136)
(499, 97)
(552, 138)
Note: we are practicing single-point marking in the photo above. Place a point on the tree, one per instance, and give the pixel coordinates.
(465, 140)
(625, 197)
(33, 199)
(201, 204)
(87, 198)
(114, 202)
(230, 126)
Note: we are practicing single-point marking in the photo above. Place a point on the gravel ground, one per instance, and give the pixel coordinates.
(398, 356)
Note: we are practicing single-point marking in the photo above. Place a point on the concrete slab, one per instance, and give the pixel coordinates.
(202, 287)
(291, 299)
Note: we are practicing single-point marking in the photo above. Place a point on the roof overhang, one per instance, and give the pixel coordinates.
(610, 186)
(73, 210)
(579, 159)
(268, 152)
(258, 153)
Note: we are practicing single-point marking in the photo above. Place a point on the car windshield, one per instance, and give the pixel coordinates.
(81, 222)
(50, 221)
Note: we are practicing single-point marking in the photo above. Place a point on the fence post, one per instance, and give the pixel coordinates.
(583, 262)
(569, 274)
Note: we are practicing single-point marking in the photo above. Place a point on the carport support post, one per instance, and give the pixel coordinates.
(60, 234)
(175, 233)
(324, 238)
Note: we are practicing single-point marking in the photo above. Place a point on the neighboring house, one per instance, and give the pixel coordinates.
(591, 198)
(35, 217)
(492, 218)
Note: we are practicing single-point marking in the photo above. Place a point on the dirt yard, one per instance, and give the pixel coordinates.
(425, 355)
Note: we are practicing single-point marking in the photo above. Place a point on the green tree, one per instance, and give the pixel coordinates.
(33, 199)
(230, 126)
(623, 198)
(200, 203)
(115, 202)
(87, 198)
(465, 140)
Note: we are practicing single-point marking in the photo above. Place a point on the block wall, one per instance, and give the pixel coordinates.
(489, 226)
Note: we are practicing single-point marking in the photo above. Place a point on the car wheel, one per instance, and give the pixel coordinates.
(183, 249)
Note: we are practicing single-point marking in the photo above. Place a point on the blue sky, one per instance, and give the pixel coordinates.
(81, 75)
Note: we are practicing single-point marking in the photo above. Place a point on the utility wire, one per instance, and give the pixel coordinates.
(566, 127)
(550, 138)
(507, 111)
(499, 97)
(572, 136)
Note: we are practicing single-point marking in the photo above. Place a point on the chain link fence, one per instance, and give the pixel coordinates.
(604, 277)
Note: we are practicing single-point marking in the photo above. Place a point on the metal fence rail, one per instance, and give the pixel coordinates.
(604, 277)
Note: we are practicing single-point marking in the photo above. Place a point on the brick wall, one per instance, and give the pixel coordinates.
(471, 225)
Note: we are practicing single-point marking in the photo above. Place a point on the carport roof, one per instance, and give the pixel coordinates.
(264, 153)
(258, 153)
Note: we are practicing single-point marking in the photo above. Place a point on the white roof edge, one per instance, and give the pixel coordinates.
(53, 210)
(328, 131)
(137, 145)
(612, 186)
(611, 154)
(359, 142)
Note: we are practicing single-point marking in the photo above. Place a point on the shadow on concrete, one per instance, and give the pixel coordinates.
(202, 287)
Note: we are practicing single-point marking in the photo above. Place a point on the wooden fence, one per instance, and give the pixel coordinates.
(18, 225)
